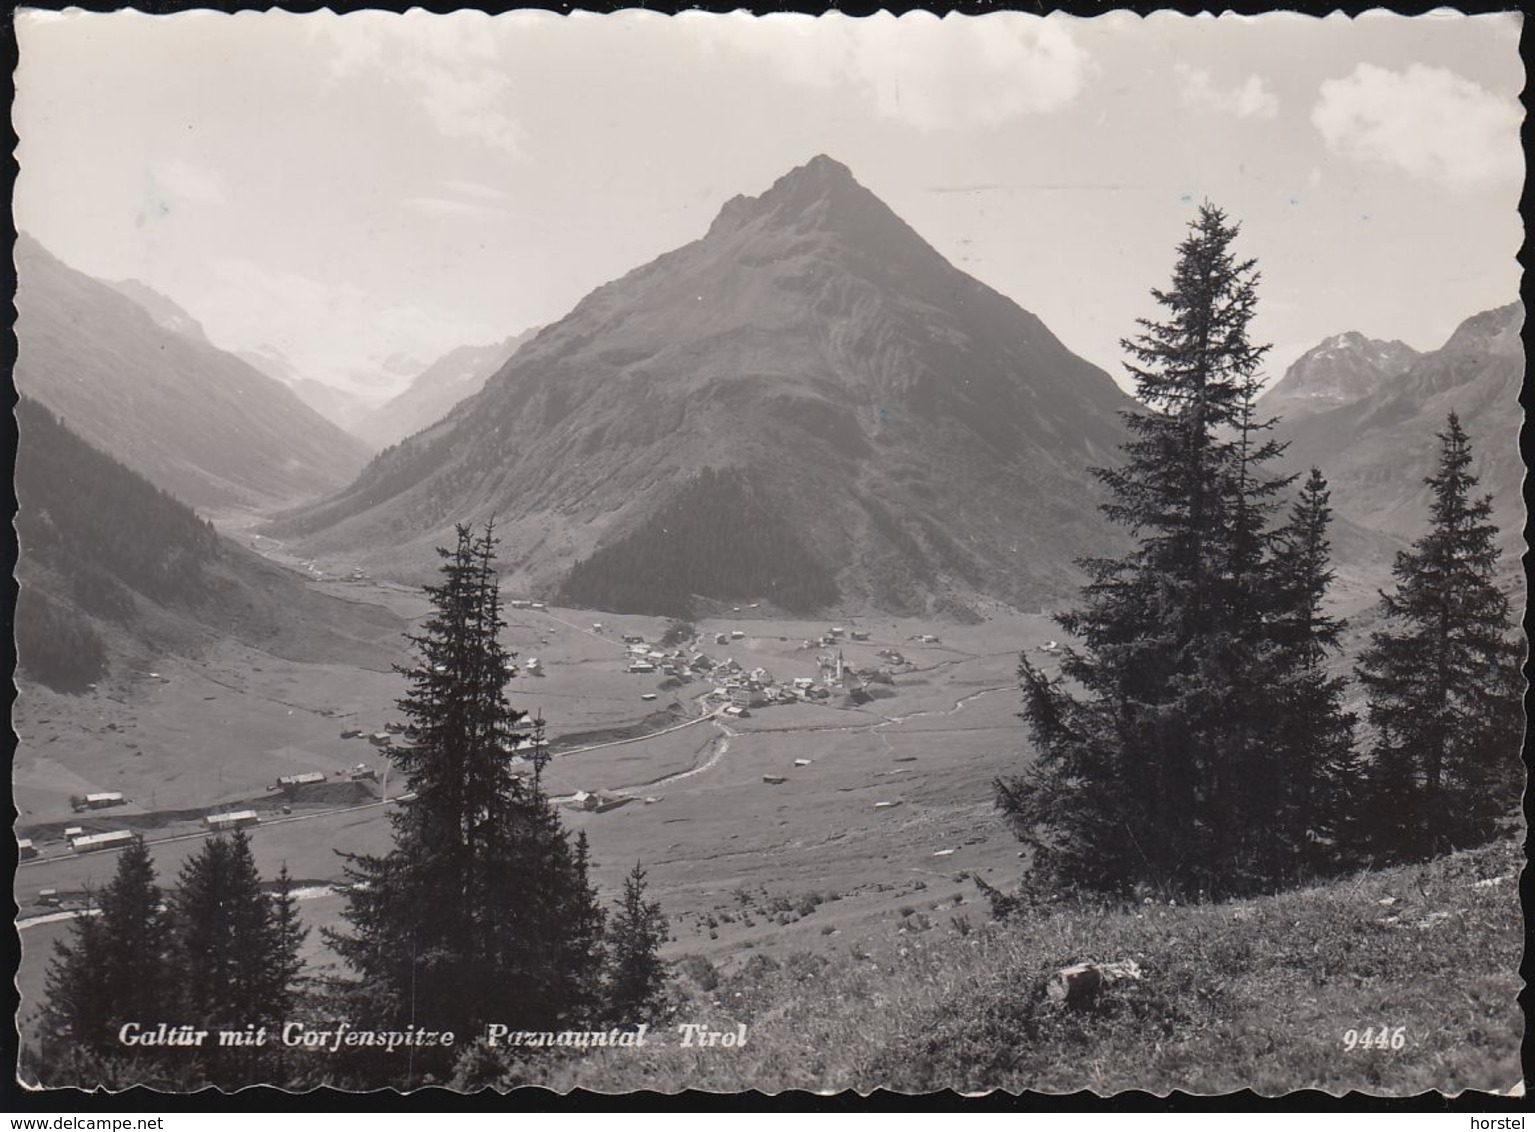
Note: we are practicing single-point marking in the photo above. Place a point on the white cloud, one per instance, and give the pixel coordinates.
(958, 72)
(450, 62)
(187, 182)
(1252, 99)
(1428, 121)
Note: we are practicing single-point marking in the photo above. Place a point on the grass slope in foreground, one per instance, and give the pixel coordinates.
(1256, 993)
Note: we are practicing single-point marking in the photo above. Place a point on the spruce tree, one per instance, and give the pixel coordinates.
(636, 973)
(1155, 763)
(235, 947)
(114, 967)
(1313, 737)
(583, 923)
(281, 963)
(464, 921)
(1443, 678)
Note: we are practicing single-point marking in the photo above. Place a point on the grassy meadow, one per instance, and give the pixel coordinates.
(1256, 994)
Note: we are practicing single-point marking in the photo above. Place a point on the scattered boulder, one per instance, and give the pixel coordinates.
(1076, 986)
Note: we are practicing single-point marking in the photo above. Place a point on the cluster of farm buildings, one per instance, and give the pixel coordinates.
(742, 689)
(81, 840)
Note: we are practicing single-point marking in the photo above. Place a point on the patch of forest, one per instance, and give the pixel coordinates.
(102, 533)
(717, 538)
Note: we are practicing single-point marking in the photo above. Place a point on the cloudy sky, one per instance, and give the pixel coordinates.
(347, 189)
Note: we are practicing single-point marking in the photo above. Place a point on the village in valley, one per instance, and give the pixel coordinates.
(667, 728)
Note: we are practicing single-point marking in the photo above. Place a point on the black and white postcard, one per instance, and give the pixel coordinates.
(713, 552)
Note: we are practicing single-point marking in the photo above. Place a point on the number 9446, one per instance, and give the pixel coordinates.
(1385, 1037)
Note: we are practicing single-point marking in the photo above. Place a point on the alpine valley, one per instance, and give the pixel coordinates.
(778, 513)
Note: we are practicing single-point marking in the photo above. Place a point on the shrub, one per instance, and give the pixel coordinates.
(700, 969)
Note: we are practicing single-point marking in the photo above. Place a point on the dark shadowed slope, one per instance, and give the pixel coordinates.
(911, 438)
(112, 566)
(198, 422)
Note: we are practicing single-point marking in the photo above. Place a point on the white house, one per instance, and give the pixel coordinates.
(94, 842)
(234, 819)
(309, 778)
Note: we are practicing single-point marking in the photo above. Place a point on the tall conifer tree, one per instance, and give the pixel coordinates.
(1156, 763)
(114, 967)
(636, 972)
(1320, 790)
(1443, 678)
(464, 921)
(282, 964)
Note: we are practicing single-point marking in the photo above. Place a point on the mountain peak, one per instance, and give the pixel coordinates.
(675, 432)
(1338, 371)
(1343, 341)
(818, 180)
(819, 168)
(1493, 332)
(820, 193)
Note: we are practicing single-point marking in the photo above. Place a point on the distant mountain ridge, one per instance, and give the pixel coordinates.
(342, 407)
(165, 311)
(196, 421)
(272, 362)
(1338, 371)
(1377, 449)
(914, 440)
(459, 374)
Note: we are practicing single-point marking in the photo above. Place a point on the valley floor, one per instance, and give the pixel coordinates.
(877, 802)
(814, 861)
